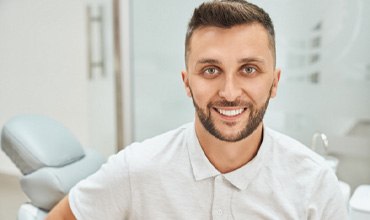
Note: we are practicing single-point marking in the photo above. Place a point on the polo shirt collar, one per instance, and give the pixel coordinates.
(202, 168)
(240, 178)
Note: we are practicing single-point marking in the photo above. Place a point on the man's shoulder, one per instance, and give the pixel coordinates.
(292, 151)
(164, 138)
(295, 162)
(161, 145)
(300, 173)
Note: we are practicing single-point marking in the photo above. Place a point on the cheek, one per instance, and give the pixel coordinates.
(202, 92)
(258, 92)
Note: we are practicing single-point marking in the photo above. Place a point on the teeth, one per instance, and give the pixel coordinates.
(230, 112)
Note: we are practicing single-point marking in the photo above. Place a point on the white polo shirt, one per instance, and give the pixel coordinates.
(169, 177)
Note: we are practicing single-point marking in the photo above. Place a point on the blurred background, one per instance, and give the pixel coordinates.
(110, 72)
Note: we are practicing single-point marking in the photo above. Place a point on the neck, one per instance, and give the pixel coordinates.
(229, 156)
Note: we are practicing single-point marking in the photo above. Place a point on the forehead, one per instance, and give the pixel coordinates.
(240, 41)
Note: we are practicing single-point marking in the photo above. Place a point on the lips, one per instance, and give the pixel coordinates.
(230, 112)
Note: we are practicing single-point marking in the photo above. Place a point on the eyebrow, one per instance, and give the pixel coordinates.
(208, 61)
(252, 59)
(243, 60)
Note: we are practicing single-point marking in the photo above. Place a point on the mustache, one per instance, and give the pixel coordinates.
(225, 103)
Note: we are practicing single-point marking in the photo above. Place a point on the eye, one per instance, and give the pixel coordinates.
(249, 70)
(211, 71)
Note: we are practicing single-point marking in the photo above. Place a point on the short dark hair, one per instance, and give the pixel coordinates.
(226, 14)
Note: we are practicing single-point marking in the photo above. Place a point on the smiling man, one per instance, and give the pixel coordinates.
(226, 164)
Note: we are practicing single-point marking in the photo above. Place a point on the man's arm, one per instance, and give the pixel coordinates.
(62, 211)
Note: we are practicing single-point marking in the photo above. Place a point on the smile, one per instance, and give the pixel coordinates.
(230, 113)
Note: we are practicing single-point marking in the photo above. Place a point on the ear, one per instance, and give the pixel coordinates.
(275, 83)
(185, 80)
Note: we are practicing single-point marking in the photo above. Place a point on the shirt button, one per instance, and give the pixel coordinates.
(219, 212)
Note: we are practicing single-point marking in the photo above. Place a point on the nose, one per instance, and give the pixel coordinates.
(230, 89)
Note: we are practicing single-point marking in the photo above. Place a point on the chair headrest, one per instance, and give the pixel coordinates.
(35, 141)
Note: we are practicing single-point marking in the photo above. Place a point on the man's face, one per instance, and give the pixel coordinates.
(230, 77)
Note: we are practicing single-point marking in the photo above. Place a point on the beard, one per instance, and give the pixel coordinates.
(255, 118)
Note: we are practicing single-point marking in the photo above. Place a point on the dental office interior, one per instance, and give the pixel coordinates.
(109, 72)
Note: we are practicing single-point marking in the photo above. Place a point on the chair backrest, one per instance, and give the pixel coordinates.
(49, 156)
(33, 142)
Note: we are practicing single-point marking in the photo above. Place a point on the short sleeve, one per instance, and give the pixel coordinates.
(327, 201)
(105, 194)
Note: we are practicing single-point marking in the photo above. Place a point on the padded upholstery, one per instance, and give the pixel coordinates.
(50, 158)
(48, 185)
(33, 142)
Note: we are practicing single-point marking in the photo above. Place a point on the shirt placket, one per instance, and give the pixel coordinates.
(221, 199)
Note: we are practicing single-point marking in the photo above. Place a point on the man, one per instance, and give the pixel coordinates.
(227, 164)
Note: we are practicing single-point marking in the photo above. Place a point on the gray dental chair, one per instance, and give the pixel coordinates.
(50, 159)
